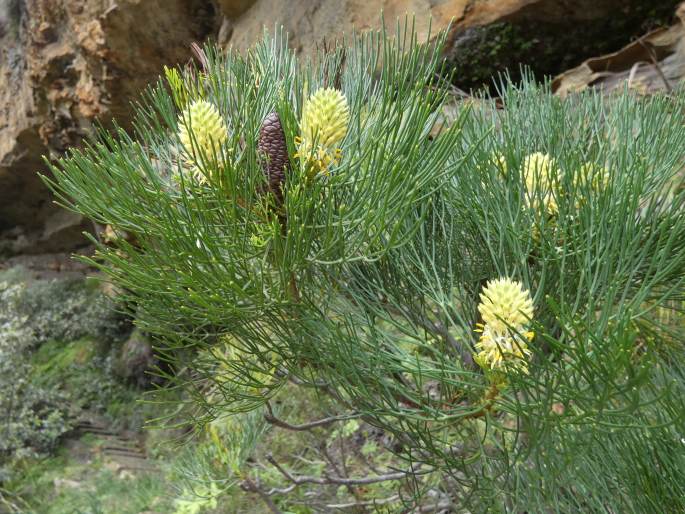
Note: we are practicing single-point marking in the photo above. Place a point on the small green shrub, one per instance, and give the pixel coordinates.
(483, 288)
(33, 417)
(68, 309)
(46, 374)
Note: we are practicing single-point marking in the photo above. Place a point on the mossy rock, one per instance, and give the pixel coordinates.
(136, 360)
(56, 358)
(547, 45)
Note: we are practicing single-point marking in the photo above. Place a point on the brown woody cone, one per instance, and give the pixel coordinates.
(274, 153)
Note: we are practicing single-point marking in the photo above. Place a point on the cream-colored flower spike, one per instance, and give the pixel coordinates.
(538, 172)
(325, 118)
(504, 305)
(202, 133)
(503, 351)
(592, 175)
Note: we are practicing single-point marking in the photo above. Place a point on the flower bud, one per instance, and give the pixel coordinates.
(202, 133)
(325, 118)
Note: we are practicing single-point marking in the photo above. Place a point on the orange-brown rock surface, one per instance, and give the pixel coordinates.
(63, 64)
(66, 63)
(486, 37)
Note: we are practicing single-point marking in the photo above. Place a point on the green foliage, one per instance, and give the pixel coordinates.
(212, 466)
(33, 417)
(81, 372)
(64, 485)
(46, 382)
(61, 309)
(67, 310)
(364, 280)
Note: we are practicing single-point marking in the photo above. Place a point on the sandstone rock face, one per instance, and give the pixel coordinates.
(486, 36)
(63, 64)
(66, 63)
(309, 22)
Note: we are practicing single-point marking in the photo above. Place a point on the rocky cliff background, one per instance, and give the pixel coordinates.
(68, 64)
(73, 366)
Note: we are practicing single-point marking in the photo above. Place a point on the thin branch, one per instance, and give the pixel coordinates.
(655, 63)
(329, 479)
(343, 455)
(284, 490)
(249, 486)
(366, 503)
(324, 450)
(271, 418)
(446, 504)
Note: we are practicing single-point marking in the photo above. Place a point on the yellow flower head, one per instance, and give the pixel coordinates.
(503, 350)
(202, 133)
(538, 173)
(592, 175)
(505, 304)
(325, 118)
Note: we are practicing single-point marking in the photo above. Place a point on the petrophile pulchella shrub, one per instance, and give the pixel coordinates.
(489, 287)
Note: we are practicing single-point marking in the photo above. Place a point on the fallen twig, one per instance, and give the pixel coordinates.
(656, 65)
